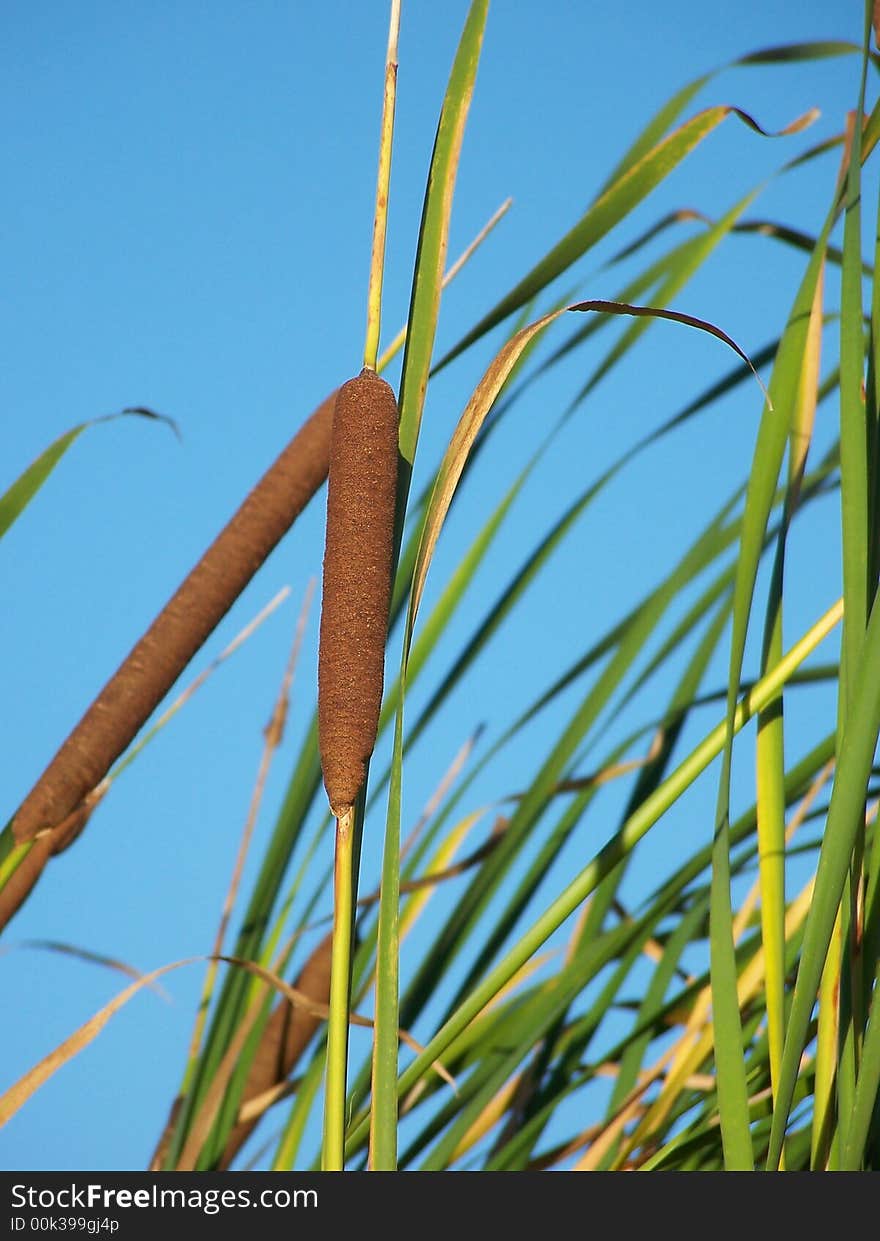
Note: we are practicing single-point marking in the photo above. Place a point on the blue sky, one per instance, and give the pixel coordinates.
(186, 226)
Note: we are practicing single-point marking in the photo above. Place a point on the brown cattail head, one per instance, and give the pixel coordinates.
(159, 657)
(361, 493)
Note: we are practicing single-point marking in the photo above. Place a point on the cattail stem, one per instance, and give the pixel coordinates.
(380, 217)
(333, 1150)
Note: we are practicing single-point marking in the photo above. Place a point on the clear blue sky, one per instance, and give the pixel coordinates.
(186, 225)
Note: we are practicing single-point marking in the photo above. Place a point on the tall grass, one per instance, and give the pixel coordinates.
(541, 1017)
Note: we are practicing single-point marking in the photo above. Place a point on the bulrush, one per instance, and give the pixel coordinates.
(361, 493)
(160, 656)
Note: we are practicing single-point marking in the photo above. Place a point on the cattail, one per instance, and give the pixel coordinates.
(361, 494)
(132, 694)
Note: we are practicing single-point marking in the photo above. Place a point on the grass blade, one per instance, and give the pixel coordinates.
(17, 497)
(770, 754)
(614, 205)
(773, 434)
(845, 818)
(17, 1095)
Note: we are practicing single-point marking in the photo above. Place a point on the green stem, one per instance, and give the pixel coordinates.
(333, 1156)
(12, 854)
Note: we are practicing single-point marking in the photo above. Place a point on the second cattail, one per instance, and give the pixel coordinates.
(361, 493)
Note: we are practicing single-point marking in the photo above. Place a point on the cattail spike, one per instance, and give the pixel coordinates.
(157, 660)
(361, 495)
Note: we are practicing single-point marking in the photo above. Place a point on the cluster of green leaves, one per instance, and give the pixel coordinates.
(753, 1038)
